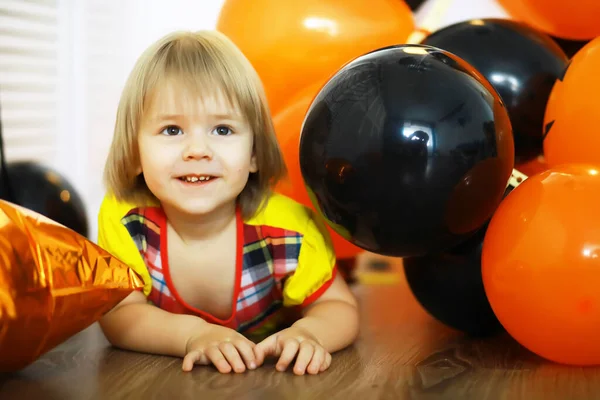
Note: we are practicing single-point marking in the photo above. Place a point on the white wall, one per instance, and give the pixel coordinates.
(436, 14)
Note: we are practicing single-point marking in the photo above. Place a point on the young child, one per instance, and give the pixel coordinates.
(189, 207)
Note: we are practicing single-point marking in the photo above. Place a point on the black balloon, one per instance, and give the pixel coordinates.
(414, 5)
(520, 62)
(406, 150)
(46, 192)
(449, 286)
(570, 47)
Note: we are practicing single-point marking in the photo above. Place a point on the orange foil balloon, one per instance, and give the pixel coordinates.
(292, 44)
(53, 284)
(541, 264)
(575, 20)
(288, 124)
(572, 114)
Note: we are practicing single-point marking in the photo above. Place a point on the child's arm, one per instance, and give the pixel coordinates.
(333, 318)
(138, 326)
(330, 324)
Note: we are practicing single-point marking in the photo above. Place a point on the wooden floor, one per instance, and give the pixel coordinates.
(402, 353)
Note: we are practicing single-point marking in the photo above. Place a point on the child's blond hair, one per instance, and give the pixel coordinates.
(200, 61)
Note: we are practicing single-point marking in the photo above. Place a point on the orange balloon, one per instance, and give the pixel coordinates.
(575, 20)
(292, 44)
(572, 113)
(533, 166)
(288, 124)
(541, 264)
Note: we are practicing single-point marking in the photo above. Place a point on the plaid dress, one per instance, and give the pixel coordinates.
(269, 253)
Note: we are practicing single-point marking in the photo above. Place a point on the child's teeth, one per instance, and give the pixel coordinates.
(196, 178)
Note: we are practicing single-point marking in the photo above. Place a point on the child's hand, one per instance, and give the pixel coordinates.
(221, 346)
(292, 342)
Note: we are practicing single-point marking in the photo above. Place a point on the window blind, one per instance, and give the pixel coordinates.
(29, 78)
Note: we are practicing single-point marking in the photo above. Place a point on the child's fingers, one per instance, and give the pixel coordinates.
(267, 347)
(305, 355)
(232, 356)
(327, 362)
(259, 355)
(317, 360)
(190, 359)
(244, 347)
(216, 357)
(290, 349)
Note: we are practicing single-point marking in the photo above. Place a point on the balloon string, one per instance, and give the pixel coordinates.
(5, 187)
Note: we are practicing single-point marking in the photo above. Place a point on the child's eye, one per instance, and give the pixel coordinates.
(172, 130)
(222, 130)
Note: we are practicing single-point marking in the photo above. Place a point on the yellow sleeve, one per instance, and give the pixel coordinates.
(316, 265)
(316, 261)
(114, 238)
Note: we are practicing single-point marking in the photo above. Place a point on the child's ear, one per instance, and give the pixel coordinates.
(253, 164)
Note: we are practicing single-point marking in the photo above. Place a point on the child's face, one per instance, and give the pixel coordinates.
(196, 155)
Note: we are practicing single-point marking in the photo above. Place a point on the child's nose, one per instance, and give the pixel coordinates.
(197, 147)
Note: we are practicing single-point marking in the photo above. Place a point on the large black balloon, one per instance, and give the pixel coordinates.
(46, 192)
(520, 62)
(406, 150)
(449, 286)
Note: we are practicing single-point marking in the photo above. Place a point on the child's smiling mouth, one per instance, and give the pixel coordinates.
(197, 179)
